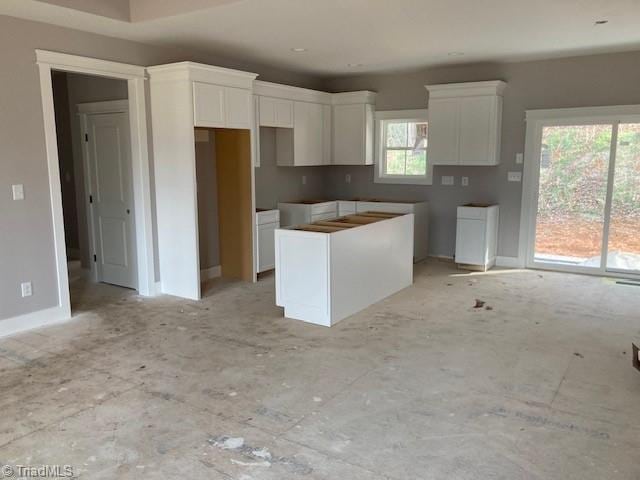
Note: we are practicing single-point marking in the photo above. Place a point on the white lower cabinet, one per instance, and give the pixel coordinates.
(346, 207)
(477, 236)
(267, 222)
(322, 278)
(420, 212)
(295, 213)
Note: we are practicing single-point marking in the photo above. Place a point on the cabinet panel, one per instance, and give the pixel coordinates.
(443, 131)
(255, 135)
(476, 117)
(238, 104)
(209, 105)
(266, 246)
(348, 134)
(326, 134)
(276, 112)
(308, 136)
(471, 241)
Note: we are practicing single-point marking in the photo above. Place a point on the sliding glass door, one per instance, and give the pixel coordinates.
(585, 212)
(623, 247)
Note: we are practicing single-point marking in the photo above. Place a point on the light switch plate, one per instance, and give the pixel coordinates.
(304, 179)
(465, 181)
(447, 180)
(347, 178)
(519, 158)
(18, 192)
(26, 289)
(514, 176)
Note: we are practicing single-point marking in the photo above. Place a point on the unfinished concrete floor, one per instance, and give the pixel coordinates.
(538, 385)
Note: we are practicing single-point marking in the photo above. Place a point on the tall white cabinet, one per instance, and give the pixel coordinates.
(353, 128)
(465, 123)
(186, 95)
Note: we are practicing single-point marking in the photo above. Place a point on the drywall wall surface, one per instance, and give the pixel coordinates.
(28, 253)
(281, 184)
(86, 89)
(595, 80)
(208, 231)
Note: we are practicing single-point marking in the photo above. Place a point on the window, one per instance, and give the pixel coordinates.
(402, 148)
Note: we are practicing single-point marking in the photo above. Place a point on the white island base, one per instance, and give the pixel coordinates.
(329, 270)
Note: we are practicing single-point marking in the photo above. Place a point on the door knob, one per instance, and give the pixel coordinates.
(128, 211)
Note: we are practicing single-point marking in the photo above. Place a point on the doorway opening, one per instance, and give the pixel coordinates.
(134, 78)
(94, 155)
(583, 190)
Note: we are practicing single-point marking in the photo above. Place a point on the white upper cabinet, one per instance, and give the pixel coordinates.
(276, 112)
(303, 145)
(326, 134)
(217, 106)
(353, 128)
(465, 122)
(238, 108)
(208, 103)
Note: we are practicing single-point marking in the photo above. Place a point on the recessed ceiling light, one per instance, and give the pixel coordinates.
(455, 54)
(298, 49)
(601, 22)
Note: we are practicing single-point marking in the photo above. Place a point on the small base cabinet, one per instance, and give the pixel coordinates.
(267, 221)
(477, 236)
(325, 274)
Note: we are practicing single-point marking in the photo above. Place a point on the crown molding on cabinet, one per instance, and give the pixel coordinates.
(467, 89)
(199, 72)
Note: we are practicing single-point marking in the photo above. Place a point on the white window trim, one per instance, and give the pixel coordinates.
(379, 177)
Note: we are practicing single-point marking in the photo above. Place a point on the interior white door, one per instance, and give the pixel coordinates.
(109, 148)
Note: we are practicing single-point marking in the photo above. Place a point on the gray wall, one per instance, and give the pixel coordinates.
(26, 235)
(208, 232)
(280, 184)
(572, 82)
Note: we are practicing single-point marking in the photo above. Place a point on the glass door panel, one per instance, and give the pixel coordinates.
(623, 252)
(574, 164)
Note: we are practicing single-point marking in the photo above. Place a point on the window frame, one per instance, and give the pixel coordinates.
(381, 120)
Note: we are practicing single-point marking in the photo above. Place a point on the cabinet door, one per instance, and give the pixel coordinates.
(307, 134)
(208, 105)
(238, 104)
(442, 146)
(326, 135)
(266, 246)
(276, 112)
(471, 241)
(349, 134)
(476, 117)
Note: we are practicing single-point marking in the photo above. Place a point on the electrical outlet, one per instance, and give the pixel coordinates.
(514, 176)
(347, 178)
(18, 192)
(447, 180)
(304, 179)
(465, 181)
(519, 158)
(26, 289)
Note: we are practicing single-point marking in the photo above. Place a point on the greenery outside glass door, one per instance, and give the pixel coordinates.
(588, 198)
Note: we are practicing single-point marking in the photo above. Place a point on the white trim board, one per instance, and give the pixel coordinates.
(135, 76)
(29, 321)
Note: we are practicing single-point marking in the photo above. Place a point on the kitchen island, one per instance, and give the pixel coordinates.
(328, 270)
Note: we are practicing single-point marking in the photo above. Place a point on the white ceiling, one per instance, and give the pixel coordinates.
(381, 35)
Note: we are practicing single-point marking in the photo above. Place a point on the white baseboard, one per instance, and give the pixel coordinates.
(446, 258)
(509, 262)
(211, 272)
(29, 321)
